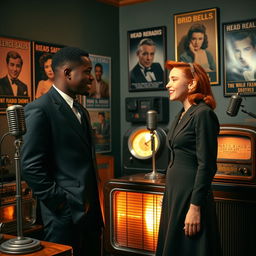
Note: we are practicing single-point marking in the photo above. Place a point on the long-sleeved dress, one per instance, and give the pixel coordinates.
(193, 148)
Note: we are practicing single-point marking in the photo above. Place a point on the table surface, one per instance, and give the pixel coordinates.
(48, 249)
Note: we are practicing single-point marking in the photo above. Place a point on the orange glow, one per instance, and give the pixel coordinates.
(231, 147)
(8, 213)
(136, 219)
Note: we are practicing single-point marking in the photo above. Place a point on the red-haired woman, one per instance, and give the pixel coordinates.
(188, 224)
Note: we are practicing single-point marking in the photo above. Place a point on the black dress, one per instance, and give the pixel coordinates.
(193, 147)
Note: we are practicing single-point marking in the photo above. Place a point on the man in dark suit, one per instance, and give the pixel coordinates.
(145, 71)
(58, 157)
(10, 85)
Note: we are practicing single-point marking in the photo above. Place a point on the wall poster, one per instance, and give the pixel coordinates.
(196, 40)
(43, 74)
(240, 57)
(15, 72)
(147, 56)
(98, 102)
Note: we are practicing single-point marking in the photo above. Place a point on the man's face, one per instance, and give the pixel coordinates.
(146, 55)
(245, 53)
(98, 73)
(81, 78)
(14, 67)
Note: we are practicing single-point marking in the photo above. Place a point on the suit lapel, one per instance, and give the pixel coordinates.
(183, 122)
(68, 114)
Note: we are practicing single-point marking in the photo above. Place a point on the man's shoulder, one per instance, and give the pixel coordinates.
(3, 79)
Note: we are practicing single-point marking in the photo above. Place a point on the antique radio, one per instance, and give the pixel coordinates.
(8, 223)
(236, 158)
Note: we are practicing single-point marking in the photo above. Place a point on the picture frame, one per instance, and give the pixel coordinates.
(196, 40)
(146, 59)
(101, 128)
(15, 83)
(239, 46)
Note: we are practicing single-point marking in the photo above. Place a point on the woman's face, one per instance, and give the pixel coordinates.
(48, 69)
(178, 85)
(197, 40)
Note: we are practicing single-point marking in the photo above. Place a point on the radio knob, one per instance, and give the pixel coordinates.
(245, 171)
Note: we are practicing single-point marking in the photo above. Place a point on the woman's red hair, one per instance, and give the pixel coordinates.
(203, 90)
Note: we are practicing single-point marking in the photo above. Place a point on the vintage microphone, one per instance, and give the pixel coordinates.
(151, 126)
(235, 104)
(17, 128)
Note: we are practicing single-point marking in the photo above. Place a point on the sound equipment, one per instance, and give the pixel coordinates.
(236, 158)
(17, 128)
(137, 151)
(234, 105)
(8, 221)
(137, 107)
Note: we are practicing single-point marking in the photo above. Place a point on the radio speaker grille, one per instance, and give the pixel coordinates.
(237, 224)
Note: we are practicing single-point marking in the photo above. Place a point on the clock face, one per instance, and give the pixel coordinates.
(139, 143)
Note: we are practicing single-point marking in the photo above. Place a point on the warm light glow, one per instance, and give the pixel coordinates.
(7, 213)
(234, 148)
(136, 219)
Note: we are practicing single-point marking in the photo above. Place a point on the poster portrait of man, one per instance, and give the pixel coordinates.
(240, 57)
(15, 72)
(101, 125)
(100, 91)
(43, 75)
(146, 51)
(196, 40)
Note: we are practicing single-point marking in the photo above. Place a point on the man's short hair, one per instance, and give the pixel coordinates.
(145, 41)
(13, 55)
(240, 35)
(98, 65)
(102, 114)
(68, 55)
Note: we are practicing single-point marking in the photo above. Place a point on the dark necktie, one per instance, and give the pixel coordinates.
(146, 70)
(82, 113)
(14, 81)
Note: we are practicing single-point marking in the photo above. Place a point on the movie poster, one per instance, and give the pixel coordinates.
(101, 125)
(147, 56)
(15, 72)
(43, 74)
(196, 40)
(100, 91)
(240, 58)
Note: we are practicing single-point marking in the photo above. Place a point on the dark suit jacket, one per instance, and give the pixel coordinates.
(6, 88)
(58, 158)
(138, 77)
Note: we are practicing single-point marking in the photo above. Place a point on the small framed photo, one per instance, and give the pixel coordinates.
(146, 57)
(239, 40)
(15, 72)
(101, 127)
(100, 92)
(196, 40)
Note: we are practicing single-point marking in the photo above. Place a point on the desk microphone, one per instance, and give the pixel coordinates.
(234, 105)
(16, 120)
(151, 120)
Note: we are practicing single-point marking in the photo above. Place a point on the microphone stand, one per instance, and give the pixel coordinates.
(153, 175)
(20, 244)
(248, 113)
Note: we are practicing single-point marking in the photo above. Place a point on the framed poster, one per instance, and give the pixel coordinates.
(15, 72)
(239, 39)
(43, 74)
(101, 125)
(196, 40)
(147, 56)
(100, 92)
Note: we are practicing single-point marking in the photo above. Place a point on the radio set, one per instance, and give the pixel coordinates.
(236, 160)
(8, 222)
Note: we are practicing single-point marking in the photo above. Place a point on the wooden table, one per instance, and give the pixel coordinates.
(48, 249)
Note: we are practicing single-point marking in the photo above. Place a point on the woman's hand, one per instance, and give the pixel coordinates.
(192, 220)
